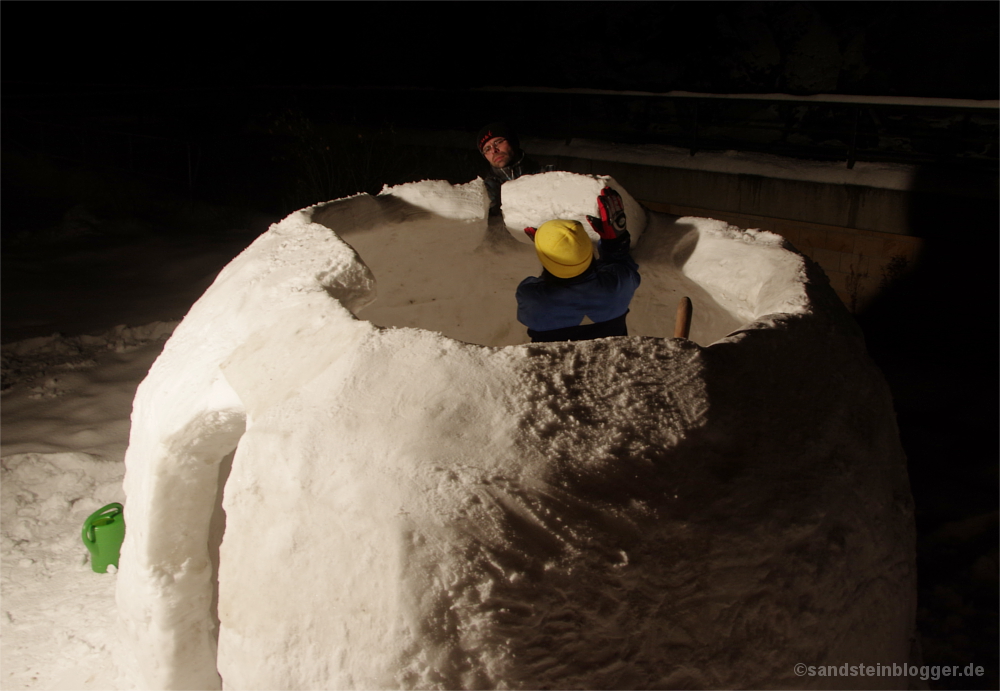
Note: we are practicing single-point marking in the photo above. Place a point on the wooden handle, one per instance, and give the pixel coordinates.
(683, 325)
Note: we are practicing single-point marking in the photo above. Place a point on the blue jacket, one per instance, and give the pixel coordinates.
(554, 309)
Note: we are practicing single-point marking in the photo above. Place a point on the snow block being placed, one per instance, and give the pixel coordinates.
(401, 509)
(532, 200)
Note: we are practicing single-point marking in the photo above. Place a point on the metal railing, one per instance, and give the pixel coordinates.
(958, 132)
(954, 133)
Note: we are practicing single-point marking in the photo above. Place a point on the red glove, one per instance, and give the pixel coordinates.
(611, 224)
(530, 232)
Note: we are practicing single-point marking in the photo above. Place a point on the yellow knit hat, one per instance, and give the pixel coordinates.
(564, 247)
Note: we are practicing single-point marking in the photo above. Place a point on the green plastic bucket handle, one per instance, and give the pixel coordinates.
(103, 534)
(103, 516)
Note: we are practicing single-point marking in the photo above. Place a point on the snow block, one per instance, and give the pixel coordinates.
(468, 202)
(399, 509)
(532, 200)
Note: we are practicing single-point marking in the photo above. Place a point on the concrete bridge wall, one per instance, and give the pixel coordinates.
(861, 236)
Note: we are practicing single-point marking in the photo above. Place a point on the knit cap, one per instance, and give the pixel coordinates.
(496, 129)
(564, 247)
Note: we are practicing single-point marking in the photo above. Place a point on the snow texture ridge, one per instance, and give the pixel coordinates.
(318, 500)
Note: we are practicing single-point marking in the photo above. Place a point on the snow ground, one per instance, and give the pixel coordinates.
(65, 411)
(64, 435)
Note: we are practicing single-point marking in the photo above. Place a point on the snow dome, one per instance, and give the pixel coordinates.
(349, 469)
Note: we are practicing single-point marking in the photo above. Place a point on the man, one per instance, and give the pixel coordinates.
(500, 147)
(577, 298)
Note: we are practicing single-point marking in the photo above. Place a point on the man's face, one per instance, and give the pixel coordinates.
(498, 152)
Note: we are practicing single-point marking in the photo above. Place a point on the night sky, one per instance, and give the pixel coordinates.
(946, 49)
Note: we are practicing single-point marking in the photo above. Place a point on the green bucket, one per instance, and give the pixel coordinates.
(103, 533)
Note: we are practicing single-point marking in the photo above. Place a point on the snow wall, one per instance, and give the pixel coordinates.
(323, 495)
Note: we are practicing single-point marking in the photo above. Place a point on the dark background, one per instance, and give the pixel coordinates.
(233, 100)
(943, 49)
(246, 87)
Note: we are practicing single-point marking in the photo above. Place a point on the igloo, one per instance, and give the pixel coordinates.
(326, 489)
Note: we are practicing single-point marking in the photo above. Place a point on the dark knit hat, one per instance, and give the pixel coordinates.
(496, 129)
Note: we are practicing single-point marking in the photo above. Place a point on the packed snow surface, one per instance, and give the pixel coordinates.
(65, 430)
(348, 469)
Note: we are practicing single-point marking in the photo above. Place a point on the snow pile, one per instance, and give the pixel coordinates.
(417, 498)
